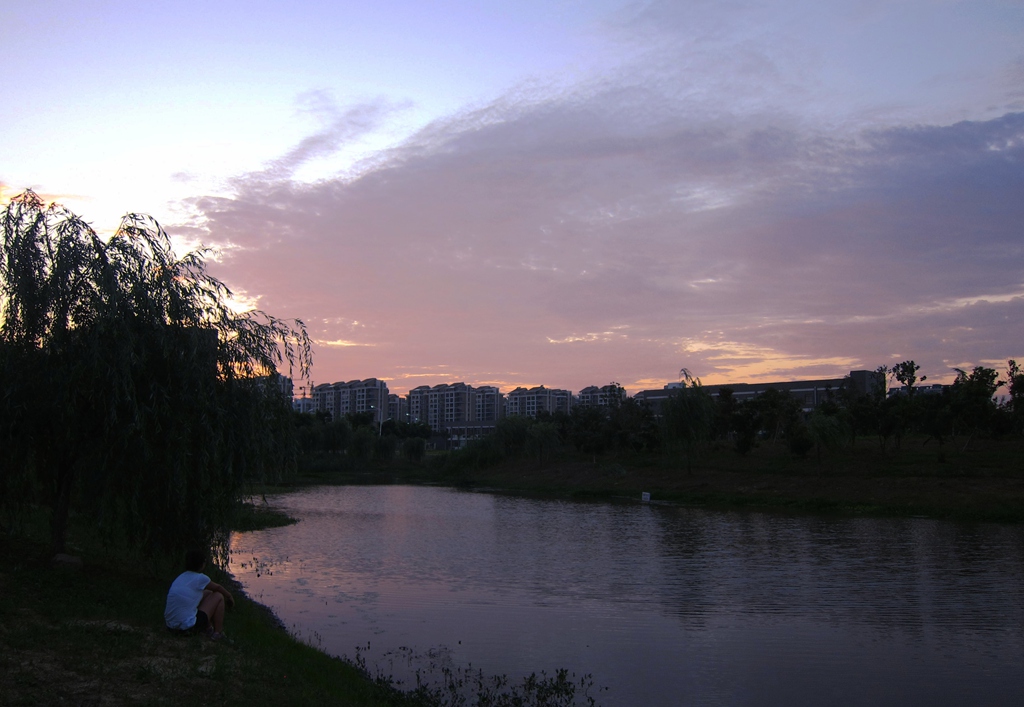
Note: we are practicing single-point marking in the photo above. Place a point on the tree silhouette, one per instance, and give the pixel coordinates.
(688, 418)
(906, 373)
(973, 403)
(132, 394)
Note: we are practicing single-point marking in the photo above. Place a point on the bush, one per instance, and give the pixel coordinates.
(363, 443)
(414, 449)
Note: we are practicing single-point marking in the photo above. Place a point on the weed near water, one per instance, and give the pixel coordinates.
(438, 683)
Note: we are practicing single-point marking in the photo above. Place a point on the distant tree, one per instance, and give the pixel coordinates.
(799, 439)
(725, 413)
(131, 392)
(616, 394)
(746, 423)
(362, 419)
(864, 407)
(510, 434)
(589, 429)
(562, 422)
(633, 427)
(890, 421)
(901, 414)
(337, 435)
(778, 411)
(906, 373)
(542, 440)
(688, 417)
(386, 447)
(972, 399)
(1015, 387)
(935, 416)
(414, 449)
(827, 429)
(404, 430)
(363, 443)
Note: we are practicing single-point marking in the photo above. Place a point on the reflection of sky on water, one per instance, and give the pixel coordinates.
(660, 604)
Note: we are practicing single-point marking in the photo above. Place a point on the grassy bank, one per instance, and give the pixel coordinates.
(984, 482)
(95, 635)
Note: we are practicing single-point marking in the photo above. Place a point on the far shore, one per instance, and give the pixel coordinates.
(985, 482)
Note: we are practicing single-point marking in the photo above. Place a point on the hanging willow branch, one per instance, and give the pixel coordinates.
(131, 391)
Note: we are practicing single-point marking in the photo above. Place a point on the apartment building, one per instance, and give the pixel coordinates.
(398, 408)
(303, 404)
(356, 396)
(530, 401)
(489, 403)
(447, 404)
(601, 396)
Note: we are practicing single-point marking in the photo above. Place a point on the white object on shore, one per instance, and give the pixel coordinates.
(645, 497)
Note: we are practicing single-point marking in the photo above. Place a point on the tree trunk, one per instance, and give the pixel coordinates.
(61, 507)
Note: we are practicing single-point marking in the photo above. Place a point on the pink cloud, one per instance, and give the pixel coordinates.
(590, 238)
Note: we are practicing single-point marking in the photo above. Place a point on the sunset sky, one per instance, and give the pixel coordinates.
(556, 192)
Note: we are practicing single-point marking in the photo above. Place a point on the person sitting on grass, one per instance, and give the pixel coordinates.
(194, 603)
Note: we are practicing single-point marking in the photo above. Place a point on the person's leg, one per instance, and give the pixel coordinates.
(202, 624)
(212, 605)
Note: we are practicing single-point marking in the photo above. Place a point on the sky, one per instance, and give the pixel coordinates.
(558, 193)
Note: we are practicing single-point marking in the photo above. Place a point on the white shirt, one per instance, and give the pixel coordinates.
(183, 600)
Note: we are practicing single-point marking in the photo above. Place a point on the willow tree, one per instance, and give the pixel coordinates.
(132, 394)
(688, 418)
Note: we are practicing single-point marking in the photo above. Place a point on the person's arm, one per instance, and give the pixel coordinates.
(228, 599)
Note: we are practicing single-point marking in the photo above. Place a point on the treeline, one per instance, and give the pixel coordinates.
(359, 438)
(960, 412)
(692, 421)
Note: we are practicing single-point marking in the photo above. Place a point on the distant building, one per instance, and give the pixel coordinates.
(357, 396)
(304, 405)
(603, 396)
(809, 393)
(451, 405)
(284, 384)
(933, 389)
(530, 401)
(489, 404)
(398, 408)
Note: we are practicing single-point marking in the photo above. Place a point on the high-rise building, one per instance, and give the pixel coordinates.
(602, 396)
(356, 396)
(442, 406)
(489, 403)
(530, 401)
(398, 408)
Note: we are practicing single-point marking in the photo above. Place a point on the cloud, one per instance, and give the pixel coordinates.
(539, 220)
(339, 343)
(340, 126)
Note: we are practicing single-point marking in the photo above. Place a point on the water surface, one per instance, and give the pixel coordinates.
(662, 605)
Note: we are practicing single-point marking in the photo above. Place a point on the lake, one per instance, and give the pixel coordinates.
(662, 605)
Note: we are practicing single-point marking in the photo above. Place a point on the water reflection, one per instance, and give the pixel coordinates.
(663, 605)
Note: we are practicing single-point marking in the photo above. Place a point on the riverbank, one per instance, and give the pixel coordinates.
(89, 631)
(984, 482)
(94, 635)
